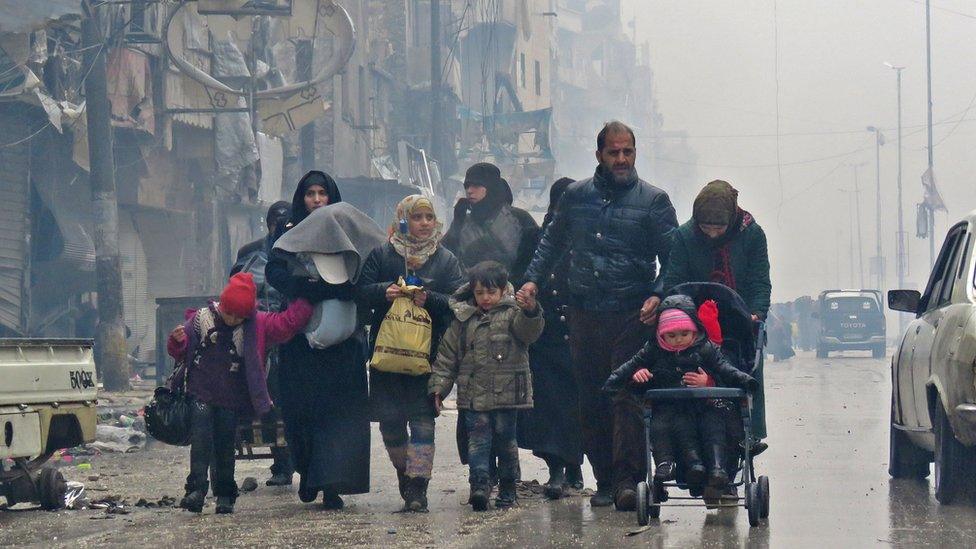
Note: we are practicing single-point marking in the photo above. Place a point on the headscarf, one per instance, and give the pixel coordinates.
(499, 193)
(416, 251)
(315, 177)
(555, 193)
(716, 204)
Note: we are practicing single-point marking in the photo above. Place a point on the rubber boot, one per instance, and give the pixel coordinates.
(602, 498)
(416, 498)
(718, 479)
(694, 469)
(574, 477)
(403, 483)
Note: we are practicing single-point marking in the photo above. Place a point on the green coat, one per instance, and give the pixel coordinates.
(691, 260)
(492, 371)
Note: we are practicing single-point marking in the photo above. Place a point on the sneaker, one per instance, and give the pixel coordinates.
(479, 495)
(225, 505)
(193, 501)
(664, 471)
(279, 479)
(602, 498)
(695, 474)
(331, 501)
(507, 496)
(625, 498)
(758, 448)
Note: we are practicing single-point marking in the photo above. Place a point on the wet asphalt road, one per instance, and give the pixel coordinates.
(827, 465)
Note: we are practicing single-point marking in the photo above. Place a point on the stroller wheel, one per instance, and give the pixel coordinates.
(763, 496)
(643, 497)
(753, 503)
(657, 496)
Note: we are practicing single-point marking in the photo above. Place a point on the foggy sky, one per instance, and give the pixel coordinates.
(714, 66)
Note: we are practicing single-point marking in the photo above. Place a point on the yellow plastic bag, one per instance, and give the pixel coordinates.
(404, 337)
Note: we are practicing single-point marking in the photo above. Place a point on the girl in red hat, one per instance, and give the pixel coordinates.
(223, 348)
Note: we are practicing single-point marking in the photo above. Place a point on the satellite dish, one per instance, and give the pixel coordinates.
(309, 20)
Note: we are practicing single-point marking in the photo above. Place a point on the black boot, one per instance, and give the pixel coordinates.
(665, 471)
(331, 501)
(480, 489)
(193, 501)
(718, 479)
(694, 469)
(225, 505)
(306, 494)
(416, 498)
(603, 496)
(507, 495)
(574, 477)
(557, 479)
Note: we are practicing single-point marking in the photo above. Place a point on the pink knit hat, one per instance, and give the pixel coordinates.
(673, 320)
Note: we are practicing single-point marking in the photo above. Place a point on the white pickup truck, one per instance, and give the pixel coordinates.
(48, 395)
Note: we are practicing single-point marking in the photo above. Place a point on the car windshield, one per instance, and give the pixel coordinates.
(849, 305)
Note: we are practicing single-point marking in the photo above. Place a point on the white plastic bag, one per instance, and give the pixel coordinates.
(333, 320)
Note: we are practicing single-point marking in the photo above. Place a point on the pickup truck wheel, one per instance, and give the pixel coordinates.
(905, 460)
(953, 461)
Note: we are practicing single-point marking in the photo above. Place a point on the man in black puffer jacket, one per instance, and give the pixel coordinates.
(617, 230)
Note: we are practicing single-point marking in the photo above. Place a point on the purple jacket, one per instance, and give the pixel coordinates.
(260, 331)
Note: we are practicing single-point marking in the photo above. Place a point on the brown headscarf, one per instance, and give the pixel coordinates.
(716, 204)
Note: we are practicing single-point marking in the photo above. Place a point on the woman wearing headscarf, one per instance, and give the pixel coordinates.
(552, 428)
(323, 392)
(722, 243)
(486, 226)
(398, 401)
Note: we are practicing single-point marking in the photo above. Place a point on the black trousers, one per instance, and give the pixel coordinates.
(721, 425)
(212, 448)
(674, 430)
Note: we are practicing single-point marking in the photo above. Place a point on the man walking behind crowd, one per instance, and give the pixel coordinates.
(616, 228)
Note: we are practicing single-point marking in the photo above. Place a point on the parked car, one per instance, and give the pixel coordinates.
(933, 370)
(851, 320)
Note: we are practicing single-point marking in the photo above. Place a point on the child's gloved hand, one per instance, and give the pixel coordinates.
(708, 314)
(642, 376)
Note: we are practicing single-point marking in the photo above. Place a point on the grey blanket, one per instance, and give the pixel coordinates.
(338, 228)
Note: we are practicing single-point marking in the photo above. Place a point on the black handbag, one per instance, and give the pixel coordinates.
(169, 415)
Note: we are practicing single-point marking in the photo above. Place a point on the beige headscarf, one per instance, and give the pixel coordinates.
(416, 251)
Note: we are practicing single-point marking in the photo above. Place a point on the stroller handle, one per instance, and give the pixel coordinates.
(690, 393)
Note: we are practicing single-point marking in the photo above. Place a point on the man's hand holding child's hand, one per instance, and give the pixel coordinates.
(642, 376)
(526, 300)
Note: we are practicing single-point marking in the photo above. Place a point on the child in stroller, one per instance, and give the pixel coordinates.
(682, 355)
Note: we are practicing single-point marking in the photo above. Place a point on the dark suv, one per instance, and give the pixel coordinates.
(851, 320)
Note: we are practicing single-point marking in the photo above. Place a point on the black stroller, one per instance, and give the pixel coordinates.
(743, 342)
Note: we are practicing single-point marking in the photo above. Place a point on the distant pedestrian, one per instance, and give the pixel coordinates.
(485, 351)
(252, 258)
(223, 348)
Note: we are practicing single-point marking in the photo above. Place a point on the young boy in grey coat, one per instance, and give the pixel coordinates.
(486, 351)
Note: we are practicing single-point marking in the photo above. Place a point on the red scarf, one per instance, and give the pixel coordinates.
(722, 272)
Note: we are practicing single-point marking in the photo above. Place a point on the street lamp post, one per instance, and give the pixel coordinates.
(901, 255)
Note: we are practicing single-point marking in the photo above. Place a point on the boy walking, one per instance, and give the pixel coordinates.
(485, 351)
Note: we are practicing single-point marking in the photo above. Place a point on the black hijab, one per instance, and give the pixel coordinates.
(555, 193)
(315, 177)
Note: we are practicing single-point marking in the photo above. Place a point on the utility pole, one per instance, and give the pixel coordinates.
(860, 242)
(303, 62)
(110, 352)
(435, 79)
(879, 262)
(928, 77)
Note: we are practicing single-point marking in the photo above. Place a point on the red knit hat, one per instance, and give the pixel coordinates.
(239, 297)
